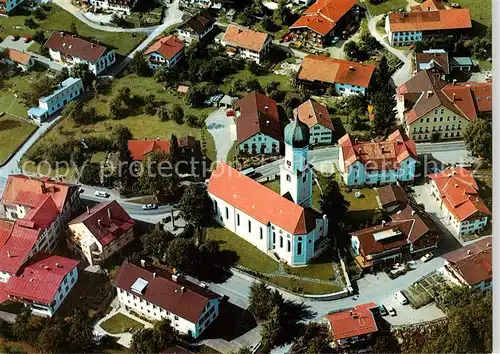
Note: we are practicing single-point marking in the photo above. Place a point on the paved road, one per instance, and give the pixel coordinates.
(223, 130)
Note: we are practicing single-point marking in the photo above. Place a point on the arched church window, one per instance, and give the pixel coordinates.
(299, 248)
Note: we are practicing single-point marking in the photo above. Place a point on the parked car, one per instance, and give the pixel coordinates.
(401, 298)
(382, 310)
(27, 39)
(16, 38)
(335, 40)
(392, 312)
(149, 206)
(230, 113)
(101, 194)
(287, 38)
(426, 257)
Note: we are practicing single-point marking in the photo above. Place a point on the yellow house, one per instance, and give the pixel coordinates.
(431, 109)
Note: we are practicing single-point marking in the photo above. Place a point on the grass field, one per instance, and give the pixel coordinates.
(284, 80)
(319, 268)
(61, 20)
(301, 286)
(120, 323)
(481, 12)
(386, 6)
(13, 131)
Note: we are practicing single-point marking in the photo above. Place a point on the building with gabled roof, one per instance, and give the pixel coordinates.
(391, 197)
(247, 43)
(158, 294)
(258, 127)
(124, 6)
(317, 118)
(353, 325)
(482, 94)
(346, 77)
(431, 17)
(434, 60)
(322, 21)
(375, 163)
(22, 60)
(197, 26)
(457, 192)
(471, 265)
(100, 232)
(70, 49)
(165, 51)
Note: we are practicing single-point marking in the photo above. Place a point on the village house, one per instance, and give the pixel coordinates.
(196, 27)
(282, 226)
(42, 284)
(457, 192)
(431, 18)
(482, 93)
(157, 294)
(165, 51)
(471, 265)
(246, 43)
(100, 232)
(353, 326)
(322, 21)
(65, 92)
(22, 60)
(114, 5)
(344, 76)
(391, 197)
(317, 118)
(8, 5)
(258, 127)
(375, 163)
(431, 109)
(435, 61)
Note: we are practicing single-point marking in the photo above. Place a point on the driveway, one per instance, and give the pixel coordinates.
(223, 129)
(21, 46)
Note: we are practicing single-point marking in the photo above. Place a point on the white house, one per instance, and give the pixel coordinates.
(8, 5)
(44, 283)
(197, 26)
(158, 294)
(281, 226)
(457, 192)
(65, 92)
(374, 163)
(165, 51)
(70, 49)
(114, 5)
(317, 118)
(100, 232)
(246, 43)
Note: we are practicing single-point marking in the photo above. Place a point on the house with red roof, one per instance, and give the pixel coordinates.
(246, 43)
(471, 265)
(158, 294)
(42, 284)
(322, 21)
(21, 59)
(345, 76)
(457, 192)
(316, 116)
(353, 326)
(374, 163)
(100, 232)
(165, 51)
(431, 18)
(70, 49)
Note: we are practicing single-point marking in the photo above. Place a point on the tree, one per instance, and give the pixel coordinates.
(30, 23)
(253, 67)
(263, 299)
(82, 71)
(39, 14)
(272, 329)
(90, 175)
(382, 76)
(315, 339)
(119, 136)
(39, 37)
(351, 50)
(282, 13)
(62, 75)
(383, 109)
(41, 86)
(144, 341)
(177, 113)
(478, 139)
(163, 113)
(253, 84)
(139, 65)
(333, 204)
(267, 23)
(155, 243)
(181, 254)
(196, 207)
(174, 149)
(73, 28)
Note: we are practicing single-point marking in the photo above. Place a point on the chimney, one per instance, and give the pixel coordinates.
(355, 140)
(88, 210)
(351, 68)
(454, 82)
(413, 212)
(266, 108)
(8, 254)
(454, 172)
(428, 8)
(454, 95)
(383, 222)
(109, 213)
(143, 263)
(154, 274)
(57, 265)
(174, 277)
(99, 222)
(429, 93)
(321, 115)
(61, 33)
(42, 185)
(456, 185)
(359, 150)
(488, 244)
(183, 289)
(469, 252)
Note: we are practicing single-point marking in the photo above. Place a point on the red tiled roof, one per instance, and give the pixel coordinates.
(369, 246)
(312, 113)
(331, 70)
(162, 291)
(41, 278)
(260, 202)
(459, 192)
(357, 321)
(72, 45)
(259, 114)
(378, 155)
(140, 148)
(482, 93)
(242, 37)
(168, 47)
(429, 5)
(18, 246)
(473, 262)
(323, 15)
(106, 221)
(17, 56)
(430, 20)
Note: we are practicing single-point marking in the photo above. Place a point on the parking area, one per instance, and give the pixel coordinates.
(19, 45)
(406, 314)
(223, 129)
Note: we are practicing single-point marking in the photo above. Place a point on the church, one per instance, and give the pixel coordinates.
(282, 226)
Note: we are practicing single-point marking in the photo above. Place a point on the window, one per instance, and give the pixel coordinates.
(288, 178)
(238, 219)
(427, 120)
(299, 248)
(288, 245)
(435, 119)
(304, 178)
(281, 241)
(261, 233)
(441, 119)
(227, 213)
(249, 226)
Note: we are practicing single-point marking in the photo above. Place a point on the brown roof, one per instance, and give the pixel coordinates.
(183, 298)
(429, 5)
(331, 70)
(72, 45)
(200, 22)
(482, 93)
(242, 37)
(430, 20)
(312, 113)
(423, 224)
(473, 262)
(439, 61)
(391, 194)
(259, 114)
(17, 56)
(260, 202)
(168, 47)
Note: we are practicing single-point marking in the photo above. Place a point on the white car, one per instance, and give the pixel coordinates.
(149, 206)
(426, 257)
(391, 310)
(101, 194)
(401, 298)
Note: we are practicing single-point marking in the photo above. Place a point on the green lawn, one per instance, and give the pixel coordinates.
(367, 202)
(250, 256)
(98, 157)
(60, 20)
(284, 80)
(481, 12)
(300, 286)
(386, 6)
(120, 323)
(232, 152)
(13, 131)
(319, 268)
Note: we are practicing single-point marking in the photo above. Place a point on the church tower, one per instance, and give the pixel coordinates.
(296, 173)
